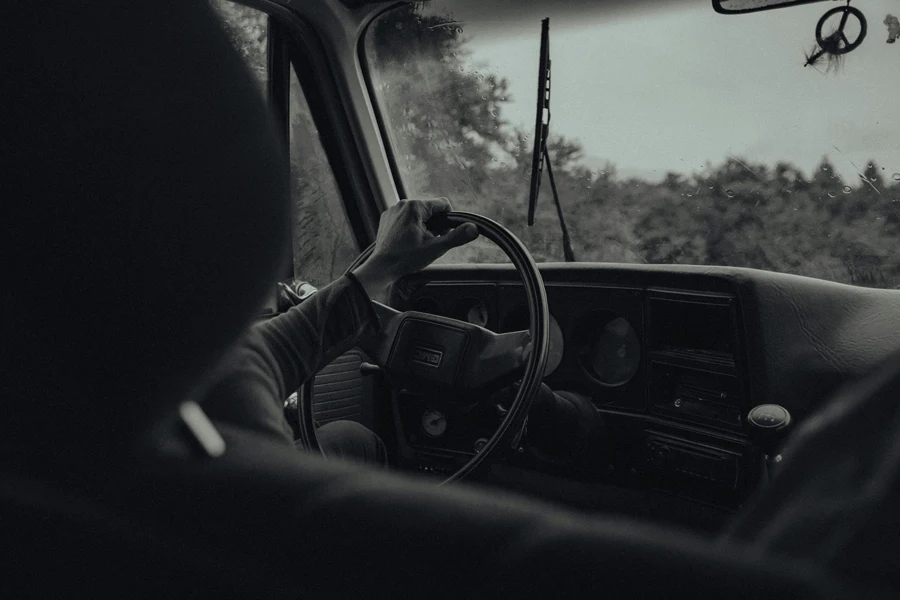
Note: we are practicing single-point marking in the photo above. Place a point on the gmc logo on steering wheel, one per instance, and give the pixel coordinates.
(425, 356)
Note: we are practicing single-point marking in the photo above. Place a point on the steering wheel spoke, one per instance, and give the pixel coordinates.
(496, 361)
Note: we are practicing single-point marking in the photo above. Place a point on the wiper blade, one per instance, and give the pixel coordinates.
(541, 134)
(542, 120)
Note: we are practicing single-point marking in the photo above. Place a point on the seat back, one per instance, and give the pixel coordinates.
(835, 498)
(60, 544)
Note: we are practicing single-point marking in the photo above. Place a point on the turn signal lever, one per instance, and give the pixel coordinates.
(769, 425)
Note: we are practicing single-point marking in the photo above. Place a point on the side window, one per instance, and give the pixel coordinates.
(248, 30)
(323, 243)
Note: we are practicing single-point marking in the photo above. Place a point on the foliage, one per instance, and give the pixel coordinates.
(247, 29)
(323, 245)
(451, 140)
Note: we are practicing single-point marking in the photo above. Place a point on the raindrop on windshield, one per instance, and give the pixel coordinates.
(896, 176)
(729, 193)
(459, 30)
(847, 189)
(831, 194)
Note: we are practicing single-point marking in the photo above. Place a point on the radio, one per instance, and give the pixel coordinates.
(674, 457)
(707, 398)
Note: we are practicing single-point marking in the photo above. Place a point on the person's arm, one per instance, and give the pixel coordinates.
(277, 356)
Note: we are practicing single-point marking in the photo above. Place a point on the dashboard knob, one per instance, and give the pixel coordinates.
(769, 425)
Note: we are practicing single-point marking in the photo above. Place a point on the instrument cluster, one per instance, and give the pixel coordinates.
(596, 333)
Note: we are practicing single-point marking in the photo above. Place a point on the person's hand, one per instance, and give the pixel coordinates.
(404, 245)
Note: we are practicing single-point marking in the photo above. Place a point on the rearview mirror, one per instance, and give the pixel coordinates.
(737, 7)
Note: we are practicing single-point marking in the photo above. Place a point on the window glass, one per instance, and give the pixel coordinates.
(247, 28)
(323, 243)
(677, 135)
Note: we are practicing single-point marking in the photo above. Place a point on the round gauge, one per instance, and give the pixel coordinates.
(608, 347)
(614, 355)
(478, 314)
(434, 423)
(557, 345)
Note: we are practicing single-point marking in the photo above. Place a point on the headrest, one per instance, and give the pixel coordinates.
(145, 212)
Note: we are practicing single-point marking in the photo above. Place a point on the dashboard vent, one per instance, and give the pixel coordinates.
(694, 328)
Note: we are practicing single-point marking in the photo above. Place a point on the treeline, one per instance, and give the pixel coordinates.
(451, 140)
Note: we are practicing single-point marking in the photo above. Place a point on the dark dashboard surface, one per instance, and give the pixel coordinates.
(673, 357)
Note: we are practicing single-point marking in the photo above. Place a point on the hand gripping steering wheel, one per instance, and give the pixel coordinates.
(453, 359)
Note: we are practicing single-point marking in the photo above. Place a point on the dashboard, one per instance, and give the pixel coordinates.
(672, 359)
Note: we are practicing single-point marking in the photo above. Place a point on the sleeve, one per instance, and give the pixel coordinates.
(277, 356)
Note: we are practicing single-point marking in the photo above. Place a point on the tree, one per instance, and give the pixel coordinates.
(247, 28)
(443, 113)
(446, 127)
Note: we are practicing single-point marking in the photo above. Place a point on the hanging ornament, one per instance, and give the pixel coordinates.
(837, 42)
(893, 26)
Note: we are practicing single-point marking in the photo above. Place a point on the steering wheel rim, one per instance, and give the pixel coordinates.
(535, 362)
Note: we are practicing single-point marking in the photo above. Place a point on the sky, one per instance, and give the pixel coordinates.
(672, 86)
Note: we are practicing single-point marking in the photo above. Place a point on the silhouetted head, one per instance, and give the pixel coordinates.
(145, 211)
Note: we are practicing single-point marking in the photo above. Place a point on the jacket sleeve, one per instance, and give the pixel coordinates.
(275, 357)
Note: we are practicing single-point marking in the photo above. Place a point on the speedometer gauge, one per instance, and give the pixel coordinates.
(434, 423)
(608, 347)
(615, 355)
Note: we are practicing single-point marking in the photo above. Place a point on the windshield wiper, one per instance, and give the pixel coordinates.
(541, 133)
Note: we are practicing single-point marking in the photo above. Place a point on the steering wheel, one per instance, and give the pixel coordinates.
(458, 361)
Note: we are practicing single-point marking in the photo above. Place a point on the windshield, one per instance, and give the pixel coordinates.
(677, 135)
